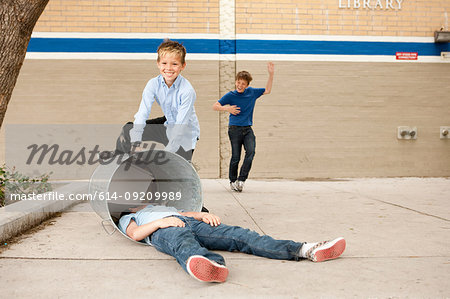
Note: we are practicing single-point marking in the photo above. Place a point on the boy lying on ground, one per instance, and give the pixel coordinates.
(189, 237)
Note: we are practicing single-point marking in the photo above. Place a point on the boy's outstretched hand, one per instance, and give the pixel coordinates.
(270, 68)
(211, 219)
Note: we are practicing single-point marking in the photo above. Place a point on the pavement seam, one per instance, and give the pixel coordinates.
(228, 258)
(389, 203)
(78, 259)
(242, 206)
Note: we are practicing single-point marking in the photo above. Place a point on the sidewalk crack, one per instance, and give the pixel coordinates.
(242, 206)
(391, 203)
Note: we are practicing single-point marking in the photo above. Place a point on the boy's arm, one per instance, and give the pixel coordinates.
(211, 219)
(148, 98)
(186, 107)
(139, 232)
(177, 135)
(271, 70)
(228, 108)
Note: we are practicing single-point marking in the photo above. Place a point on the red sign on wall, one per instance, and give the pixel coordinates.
(406, 55)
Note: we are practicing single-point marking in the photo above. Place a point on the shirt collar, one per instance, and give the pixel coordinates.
(240, 93)
(175, 84)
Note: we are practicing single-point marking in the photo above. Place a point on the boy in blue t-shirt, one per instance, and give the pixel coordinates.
(240, 103)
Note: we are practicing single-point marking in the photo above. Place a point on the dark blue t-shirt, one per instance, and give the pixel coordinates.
(246, 101)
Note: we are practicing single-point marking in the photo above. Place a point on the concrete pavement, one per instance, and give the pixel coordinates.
(397, 232)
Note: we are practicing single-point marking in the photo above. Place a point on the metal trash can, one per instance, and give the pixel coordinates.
(155, 177)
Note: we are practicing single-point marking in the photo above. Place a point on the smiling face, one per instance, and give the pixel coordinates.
(170, 66)
(241, 85)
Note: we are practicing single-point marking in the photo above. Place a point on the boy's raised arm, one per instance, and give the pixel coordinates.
(271, 70)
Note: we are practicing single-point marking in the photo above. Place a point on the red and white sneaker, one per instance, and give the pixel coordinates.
(326, 250)
(204, 269)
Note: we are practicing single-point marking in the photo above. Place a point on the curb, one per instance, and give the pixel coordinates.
(21, 216)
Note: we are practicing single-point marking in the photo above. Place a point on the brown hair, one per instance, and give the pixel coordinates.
(244, 75)
(172, 47)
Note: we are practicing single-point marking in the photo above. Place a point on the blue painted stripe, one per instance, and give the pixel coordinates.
(216, 46)
(116, 45)
(227, 46)
(337, 47)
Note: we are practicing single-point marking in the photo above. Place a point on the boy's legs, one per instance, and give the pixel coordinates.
(237, 140)
(190, 244)
(235, 238)
(231, 238)
(249, 141)
(181, 243)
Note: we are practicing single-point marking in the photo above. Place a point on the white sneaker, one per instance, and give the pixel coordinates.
(234, 186)
(204, 269)
(240, 185)
(326, 250)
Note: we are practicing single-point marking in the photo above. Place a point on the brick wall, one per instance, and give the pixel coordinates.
(415, 18)
(194, 16)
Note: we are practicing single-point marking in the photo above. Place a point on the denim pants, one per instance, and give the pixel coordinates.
(198, 237)
(241, 136)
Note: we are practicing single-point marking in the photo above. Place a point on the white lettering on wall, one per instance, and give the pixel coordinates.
(389, 4)
(378, 4)
(371, 4)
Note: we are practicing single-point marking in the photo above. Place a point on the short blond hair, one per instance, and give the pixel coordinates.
(172, 47)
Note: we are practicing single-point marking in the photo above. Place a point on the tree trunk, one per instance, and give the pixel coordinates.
(17, 20)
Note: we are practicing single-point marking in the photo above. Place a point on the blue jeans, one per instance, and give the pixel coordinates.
(241, 136)
(197, 238)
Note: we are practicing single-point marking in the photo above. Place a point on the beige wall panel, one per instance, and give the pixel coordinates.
(322, 119)
(108, 92)
(328, 119)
